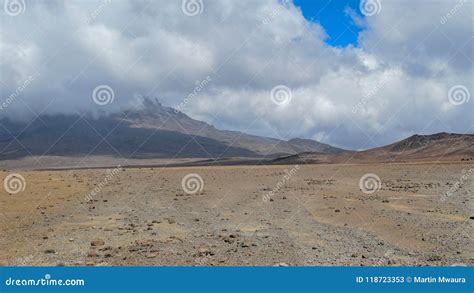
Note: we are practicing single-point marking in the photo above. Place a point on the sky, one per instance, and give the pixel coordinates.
(333, 16)
(354, 74)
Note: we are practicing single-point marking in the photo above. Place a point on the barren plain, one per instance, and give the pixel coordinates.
(421, 214)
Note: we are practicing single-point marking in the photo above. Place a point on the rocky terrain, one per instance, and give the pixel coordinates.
(113, 190)
(151, 131)
(429, 148)
(419, 214)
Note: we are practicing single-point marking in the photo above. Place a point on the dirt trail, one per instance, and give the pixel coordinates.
(316, 215)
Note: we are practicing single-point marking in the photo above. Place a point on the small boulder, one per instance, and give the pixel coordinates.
(98, 242)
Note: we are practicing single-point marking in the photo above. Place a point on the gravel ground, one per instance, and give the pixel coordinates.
(241, 215)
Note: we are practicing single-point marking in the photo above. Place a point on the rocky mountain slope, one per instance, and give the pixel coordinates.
(154, 131)
(435, 147)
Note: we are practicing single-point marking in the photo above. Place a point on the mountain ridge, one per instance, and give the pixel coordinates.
(153, 131)
(157, 132)
(439, 147)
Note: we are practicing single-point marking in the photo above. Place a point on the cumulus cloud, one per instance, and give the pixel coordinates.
(393, 84)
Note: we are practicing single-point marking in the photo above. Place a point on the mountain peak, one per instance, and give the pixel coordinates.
(151, 131)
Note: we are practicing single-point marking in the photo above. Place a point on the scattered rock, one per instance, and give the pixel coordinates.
(204, 251)
(152, 254)
(98, 242)
(106, 248)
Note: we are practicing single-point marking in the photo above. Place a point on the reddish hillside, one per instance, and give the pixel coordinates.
(436, 147)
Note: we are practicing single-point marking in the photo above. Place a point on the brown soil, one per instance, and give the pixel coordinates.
(318, 216)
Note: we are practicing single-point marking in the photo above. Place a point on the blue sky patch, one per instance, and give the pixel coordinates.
(334, 17)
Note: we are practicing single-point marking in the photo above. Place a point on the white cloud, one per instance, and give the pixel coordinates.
(398, 78)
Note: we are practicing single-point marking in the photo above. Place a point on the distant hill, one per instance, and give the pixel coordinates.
(440, 146)
(154, 131)
(436, 146)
